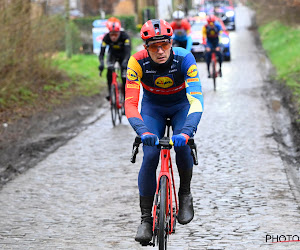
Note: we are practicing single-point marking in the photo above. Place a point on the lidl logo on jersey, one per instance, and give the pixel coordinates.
(131, 75)
(164, 82)
(192, 71)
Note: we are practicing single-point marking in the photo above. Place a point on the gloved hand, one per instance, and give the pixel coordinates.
(180, 140)
(149, 139)
(101, 67)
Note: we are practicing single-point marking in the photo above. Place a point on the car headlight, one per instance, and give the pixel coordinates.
(202, 14)
(230, 13)
(225, 40)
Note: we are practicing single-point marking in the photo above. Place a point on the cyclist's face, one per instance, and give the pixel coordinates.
(159, 51)
(114, 35)
(178, 21)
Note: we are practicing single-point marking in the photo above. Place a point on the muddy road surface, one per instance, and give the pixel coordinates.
(85, 195)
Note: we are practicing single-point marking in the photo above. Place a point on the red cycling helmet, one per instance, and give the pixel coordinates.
(211, 18)
(156, 29)
(113, 24)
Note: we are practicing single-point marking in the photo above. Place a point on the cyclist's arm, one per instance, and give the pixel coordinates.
(204, 35)
(194, 95)
(102, 49)
(132, 93)
(127, 48)
(189, 43)
(219, 27)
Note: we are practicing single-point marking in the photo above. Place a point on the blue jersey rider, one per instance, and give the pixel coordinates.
(210, 33)
(171, 89)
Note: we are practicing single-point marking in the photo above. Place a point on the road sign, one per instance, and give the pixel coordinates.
(99, 32)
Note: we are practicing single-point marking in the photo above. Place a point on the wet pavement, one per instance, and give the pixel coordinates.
(85, 195)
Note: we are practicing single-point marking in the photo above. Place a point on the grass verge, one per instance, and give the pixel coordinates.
(283, 48)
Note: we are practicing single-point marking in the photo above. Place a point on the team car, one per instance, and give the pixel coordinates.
(198, 49)
(221, 8)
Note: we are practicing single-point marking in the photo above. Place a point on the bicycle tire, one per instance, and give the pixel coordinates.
(121, 101)
(162, 234)
(214, 74)
(113, 104)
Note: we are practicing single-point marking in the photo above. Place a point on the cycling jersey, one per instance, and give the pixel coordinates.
(120, 49)
(167, 88)
(211, 34)
(181, 32)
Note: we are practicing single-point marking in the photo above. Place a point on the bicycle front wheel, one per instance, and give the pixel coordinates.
(162, 232)
(121, 105)
(113, 104)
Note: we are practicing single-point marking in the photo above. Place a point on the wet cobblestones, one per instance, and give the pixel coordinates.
(85, 195)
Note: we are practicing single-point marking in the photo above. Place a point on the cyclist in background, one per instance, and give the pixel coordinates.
(211, 32)
(171, 89)
(119, 51)
(182, 29)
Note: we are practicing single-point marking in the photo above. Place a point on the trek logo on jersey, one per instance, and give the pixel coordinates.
(131, 75)
(192, 71)
(164, 82)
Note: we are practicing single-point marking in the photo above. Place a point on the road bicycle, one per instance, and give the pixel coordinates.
(165, 209)
(116, 95)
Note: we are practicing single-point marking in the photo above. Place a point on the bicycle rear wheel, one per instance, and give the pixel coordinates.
(214, 74)
(162, 232)
(113, 104)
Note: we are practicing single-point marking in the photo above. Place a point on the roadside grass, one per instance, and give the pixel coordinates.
(82, 72)
(283, 47)
(64, 80)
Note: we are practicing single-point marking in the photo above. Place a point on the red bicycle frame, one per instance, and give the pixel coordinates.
(115, 82)
(166, 170)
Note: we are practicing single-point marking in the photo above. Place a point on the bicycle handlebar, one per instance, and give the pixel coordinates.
(164, 142)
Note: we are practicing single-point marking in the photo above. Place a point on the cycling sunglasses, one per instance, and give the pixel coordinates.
(114, 33)
(155, 46)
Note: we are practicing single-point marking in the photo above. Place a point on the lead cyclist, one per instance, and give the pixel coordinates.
(171, 89)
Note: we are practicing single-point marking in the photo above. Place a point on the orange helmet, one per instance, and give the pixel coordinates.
(156, 29)
(211, 19)
(113, 24)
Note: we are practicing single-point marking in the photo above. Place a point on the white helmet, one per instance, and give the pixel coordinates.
(178, 14)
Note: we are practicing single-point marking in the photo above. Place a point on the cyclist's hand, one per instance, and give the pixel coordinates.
(149, 139)
(180, 140)
(101, 67)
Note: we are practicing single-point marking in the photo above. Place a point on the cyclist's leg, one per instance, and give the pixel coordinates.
(110, 67)
(208, 56)
(123, 74)
(220, 59)
(184, 162)
(147, 174)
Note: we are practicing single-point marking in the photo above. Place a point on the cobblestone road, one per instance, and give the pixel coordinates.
(85, 196)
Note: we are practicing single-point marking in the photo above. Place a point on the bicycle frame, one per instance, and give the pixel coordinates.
(115, 83)
(117, 98)
(166, 170)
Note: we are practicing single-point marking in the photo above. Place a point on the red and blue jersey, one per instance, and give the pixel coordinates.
(179, 83)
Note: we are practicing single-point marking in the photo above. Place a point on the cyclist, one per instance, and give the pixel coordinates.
(182, 29)
(119, 51)
(171, 89)
(211, 33)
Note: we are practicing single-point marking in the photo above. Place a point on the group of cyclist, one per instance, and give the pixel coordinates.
(171, 89)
